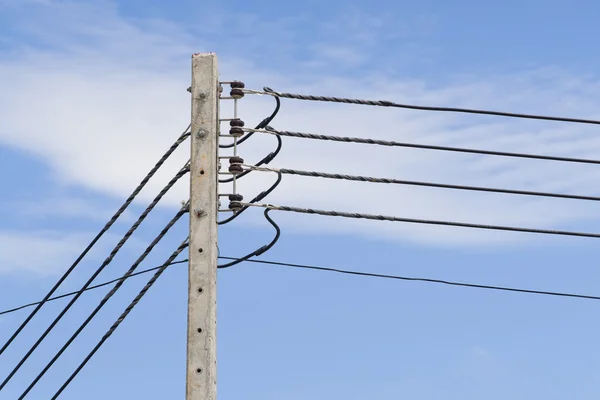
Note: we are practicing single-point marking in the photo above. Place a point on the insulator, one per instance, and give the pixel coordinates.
(236, 93)
(237, 132)
(236, 122)
(237, 85)
(236, 169)
(235, 206)
(236, 197)
(236, 160)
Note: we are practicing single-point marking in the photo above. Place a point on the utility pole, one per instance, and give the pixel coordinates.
(201, 378)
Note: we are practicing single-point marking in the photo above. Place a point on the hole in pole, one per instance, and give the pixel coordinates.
(200, 250)
(201, 172)
(199, 290)
(199, 330)
(198, 370)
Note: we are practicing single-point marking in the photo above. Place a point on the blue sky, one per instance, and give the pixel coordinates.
(94, 92)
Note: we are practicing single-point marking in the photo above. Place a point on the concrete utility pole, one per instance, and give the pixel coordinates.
(201, 377)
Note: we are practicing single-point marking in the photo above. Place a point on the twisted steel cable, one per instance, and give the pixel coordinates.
(262, 195)
(389, 143)
(376, 217)
(107, 297)
(260, 250)
(385, 103)
(106, 227)
(122, 242)
(358, 178)
(69, 294)
(122, 317)
(269, 157)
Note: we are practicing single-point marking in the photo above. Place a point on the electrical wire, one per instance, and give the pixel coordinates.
(258, 198)
(122, 242)
(145, 271)
(106, 227)
(421, 221)
(385, 103)
(107, 297)
(269, 157)
(122, 317)
(262, 249)
(316, 174)
(426, 280)
(265, 160)
(316, 268)
(261, 125)
(388, 143)
(98, 286)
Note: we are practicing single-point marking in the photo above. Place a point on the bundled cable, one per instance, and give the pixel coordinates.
(108, 260)
(269, 157)
(358, 178)
(262, 249)
(122, 317)
(94, 287)
(391, 143)
(131, 270)
(256, 199)
(108, 225)
(376, 217)
(385, 103)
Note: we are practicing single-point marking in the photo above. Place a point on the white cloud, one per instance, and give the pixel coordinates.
(67, 208)
(51, 252)
(42, 253)
(109, 97)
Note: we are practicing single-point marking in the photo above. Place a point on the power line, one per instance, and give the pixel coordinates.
(426, 280)
(69, 294)
(169, 262)
(113, 219)
(357, 178)
(122, 317)
(260, 125)
(269, 157)
(261, 249)
(385, 103)
(473, 285)
(107, 297)
(388, 143)
(421, 221)
(108, 260)
(259, 197)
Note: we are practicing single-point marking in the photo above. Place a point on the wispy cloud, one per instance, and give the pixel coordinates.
(42, 253)
(66, 208)
(110, 94)
(50, 252)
